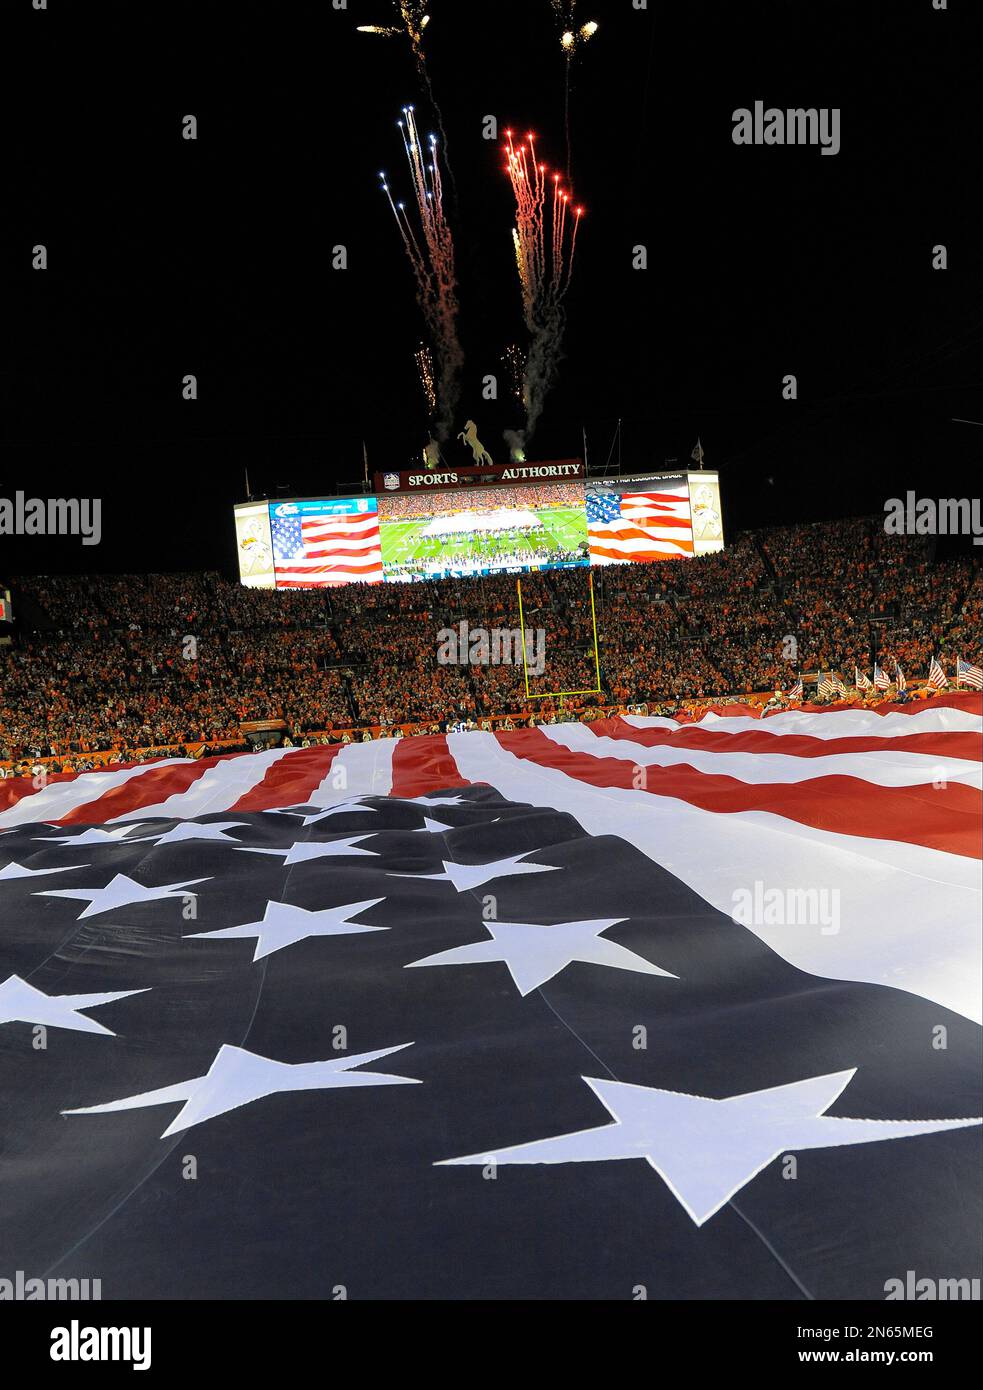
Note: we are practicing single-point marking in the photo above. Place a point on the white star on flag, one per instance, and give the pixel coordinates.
(237, 1077)
(120, 892)
(92, 836)
(467, 876)
(22, 1003)
(283, 925)
(707, 1150)
(535, 953)
(11, 871)
(188, 830)
(302, 853)
(341, 809)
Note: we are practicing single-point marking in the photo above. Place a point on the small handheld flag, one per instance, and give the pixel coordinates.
(937, 678)
(967, 674)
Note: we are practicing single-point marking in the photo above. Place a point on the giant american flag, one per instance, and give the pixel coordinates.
(533, 1014)
(654, 525)
(327, 549)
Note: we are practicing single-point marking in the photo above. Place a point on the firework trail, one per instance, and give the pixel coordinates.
(414, 21)
(424, 366)
(513, 359)
(572, 37)
(431, 254)
(545, 240)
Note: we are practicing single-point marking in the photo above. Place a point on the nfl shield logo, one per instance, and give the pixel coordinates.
(390, 481)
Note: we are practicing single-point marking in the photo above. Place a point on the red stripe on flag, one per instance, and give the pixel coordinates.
(153, 786)
(638, 556)
(939, 745)
(14, 789)
(422, 765)
(290, 780)
(946, 819)
(323, 550)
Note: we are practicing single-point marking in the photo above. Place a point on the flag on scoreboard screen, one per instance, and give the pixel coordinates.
(967, 674)
(643, 526)
(937, 677)
(861, 680)
(327, 549)
(283, 963)
(881, 679)
(899, 679)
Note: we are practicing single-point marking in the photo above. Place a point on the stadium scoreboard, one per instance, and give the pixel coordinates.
(500, 521)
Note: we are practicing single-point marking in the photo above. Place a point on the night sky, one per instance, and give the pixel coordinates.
(213, 257)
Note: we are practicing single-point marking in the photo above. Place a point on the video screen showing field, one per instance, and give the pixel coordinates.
(488, 531)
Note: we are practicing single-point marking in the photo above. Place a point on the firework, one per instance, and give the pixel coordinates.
(573, 36)
(430, 248)
(414, 22)
(545, 240)
(514, 361)
(424, 366)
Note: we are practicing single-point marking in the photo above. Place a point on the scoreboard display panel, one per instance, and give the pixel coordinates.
(660, 516)
(403, 537)
(491, 530)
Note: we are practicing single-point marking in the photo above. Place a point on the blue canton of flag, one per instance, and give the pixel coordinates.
(287, 538)
(603, 507)
(326, 899)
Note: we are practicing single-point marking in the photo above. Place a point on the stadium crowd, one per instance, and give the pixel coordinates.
(424, 505)
(139, 664)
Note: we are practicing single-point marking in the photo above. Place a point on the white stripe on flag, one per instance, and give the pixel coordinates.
(828, 724)
(217, 789)
(909, 916)
(57, 799)
(887, 769)
(363, 769)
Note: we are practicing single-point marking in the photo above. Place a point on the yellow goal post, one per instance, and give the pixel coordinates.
(560, 694)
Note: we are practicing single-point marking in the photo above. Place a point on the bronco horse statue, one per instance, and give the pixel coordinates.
(469, 436)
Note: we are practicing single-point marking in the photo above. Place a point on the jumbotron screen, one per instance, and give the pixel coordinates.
(497, 529)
